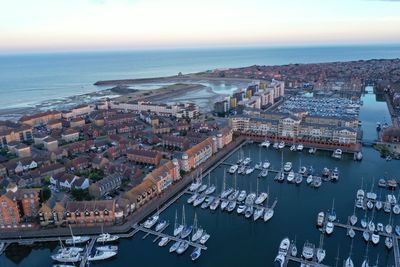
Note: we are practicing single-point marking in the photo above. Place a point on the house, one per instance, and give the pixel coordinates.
(58, 154)
(22, 151)
(51, 170)
(99, 162)
(224, 137)
(77, 122)
(90, 212)
(3, 171)
(105, 186)
(143, 156)
(50, 144)
(70, 135)
(51, 213)
(69, 181)
(54, 124)
(19, 166)
(176, 142)
(14, 132)
(79, 163)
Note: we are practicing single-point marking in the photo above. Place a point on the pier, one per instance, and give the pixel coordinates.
(161, 235)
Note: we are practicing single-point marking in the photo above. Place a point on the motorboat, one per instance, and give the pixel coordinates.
(337, 154)
(241, 209)
(396, 209)
(371, 196)
(370, 205)
(107, 248)
(298, 178)
(360, 193)
(105, 237)
(379, 227)
(382, 183)
(284, 246)
(276, 145)
(258, 213)
(309, 179)
(266, 165)
(326, 172)
(391, 199)
(279, 260)
(246, 161)
(261, 198)
(388, 229)
(248, 212)
(387, 207)
(163, 242)
(192, 198)
(293, 148)
(288, 166)
(227, 192)
(234, 195)
(182, 247)
(242, 196)
(351, 232)
(202, 188)
(197, 235)
(290, 177)
(280, 177)
(300, 147)
(364, 223)
(397, 230)
(389, 242)
(303, 170)
(266, 144)
(231, 206)
(320, 219)
(366, 236)
(195, 254)
(312, 150)
(195, 186)
(249, 170)
(321, 253)
(250, 199)
(101, 255)
(317, 182)
(77, 240)
(258, 166)
(353, 219)
(67, 256)
(281, 145)
(177, 227)
(335, 174)
(200, 199)
(215, 204)
(204, 238)
(375, 238)
(329, 228)
(360, 203)
(241, 169)
(378, 205)
(211, 189)
(308, 251)
(268, 214)
(160, 226)
(233, 169)
(174, 246)
(66, 250)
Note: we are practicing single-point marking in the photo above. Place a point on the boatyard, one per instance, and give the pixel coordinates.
(295, 208)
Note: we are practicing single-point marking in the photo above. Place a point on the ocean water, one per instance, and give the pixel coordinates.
(28, 79)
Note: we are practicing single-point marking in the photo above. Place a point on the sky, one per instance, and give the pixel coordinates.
(64, 25)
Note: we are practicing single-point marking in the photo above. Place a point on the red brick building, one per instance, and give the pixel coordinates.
(144, 156)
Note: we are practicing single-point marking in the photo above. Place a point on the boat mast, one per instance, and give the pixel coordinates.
(337, 257)
(183, 216)
(176, 219)
(195, 222)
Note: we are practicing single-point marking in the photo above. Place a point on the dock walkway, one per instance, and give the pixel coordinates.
(87, 253)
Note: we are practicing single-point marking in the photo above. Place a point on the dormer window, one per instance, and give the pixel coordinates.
(77, 214)
(87, 213)
(106, 212)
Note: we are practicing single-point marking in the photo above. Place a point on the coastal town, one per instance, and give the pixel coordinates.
(111, 163)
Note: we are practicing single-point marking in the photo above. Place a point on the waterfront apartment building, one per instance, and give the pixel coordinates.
(187, 110)
(141, 194)
(78, 111)
(40, 118)
(51, 214)
(198, 154)
(14, 132)
(90, 212)
(165, 175)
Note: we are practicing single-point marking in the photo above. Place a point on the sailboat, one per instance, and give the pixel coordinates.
(269, 212)
(365, 262)
(106, 237)
(211, 188)
(187, 229)
(197, 231)
(76, 239)
(332, 213)
(177, 227)
(349, 261)
(388, 227)
(321, 253)
(353, 218)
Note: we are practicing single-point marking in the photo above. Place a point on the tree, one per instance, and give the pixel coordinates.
(80, 194)
(46, 193)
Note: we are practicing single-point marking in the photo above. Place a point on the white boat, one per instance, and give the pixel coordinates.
(388, 229)
(246, 161)
(233, 169)
(261, 198)
(329, 228)
(192, 198)
(258, 213)
(284, 246)
(174, 246)
(248, 212)
(279, 260)
(150, 222)
(234, 195)
(320, 219)
(101, 255)
(360, 193)
(200, 199)
(67, 256)
(258, 166)
(268, 214)
(276, 145)
(241, 209)
(266, 144)
(249, 170)
(182, 247)
(264, 173)
(303, 170)
(195, 185)
(300, 147)
(371, 226)
(351, 232)
(105, 237)
(177, 227)
(224, 204)
(231, 206)
(293, 252)
(202, 188)
(321, 253)
(364, 223)
(280, 177)
(366, 236)
(335, 174)
(309, 179)
(77, 240)
(379, 227)
(211, 189)
(378, 205)
(312, 150)
(187, 230)
(290, 177)
(195, 254)
(226, 193)
(287, 167)
(161, 225)
(370, 205)
(241, 169)
(308, 251)
(348, 262)
(204, 238)
(293, 148)
(250, 199)
(266, 164)
(388, 242)
(396, 209)
(70, 250)
(337, 153)
(375, 238)
(353, 219)
(242, 196)
(107, 248)
(371, 195)
(281, 145)
(215, 204)
(163, 242)
(197, 235)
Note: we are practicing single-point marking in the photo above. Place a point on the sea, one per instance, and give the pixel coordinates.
(29, 79)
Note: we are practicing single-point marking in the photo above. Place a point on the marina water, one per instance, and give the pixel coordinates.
(236, 241)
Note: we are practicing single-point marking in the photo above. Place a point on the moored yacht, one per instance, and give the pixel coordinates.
(329, 228)
(105, 237)
(261, 198)
(204, 238)
(290, 177)
(67, 256)
(174, 246)
(77, 240)
(182, 247)
(150, 222)
(248, 212)
(268, 214)
(281, 145)
(210, 190)
(308, 251)
(195, 254)
(101, 255)
(300, 147)
(233, 169)
(287, 167)
(258, 213)
(242, 196)
(192, 198)
(266, 164)
(107, 248)
(163, 242)
(320, 219)
(161, 225)
(241, 209)
(337, 153)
